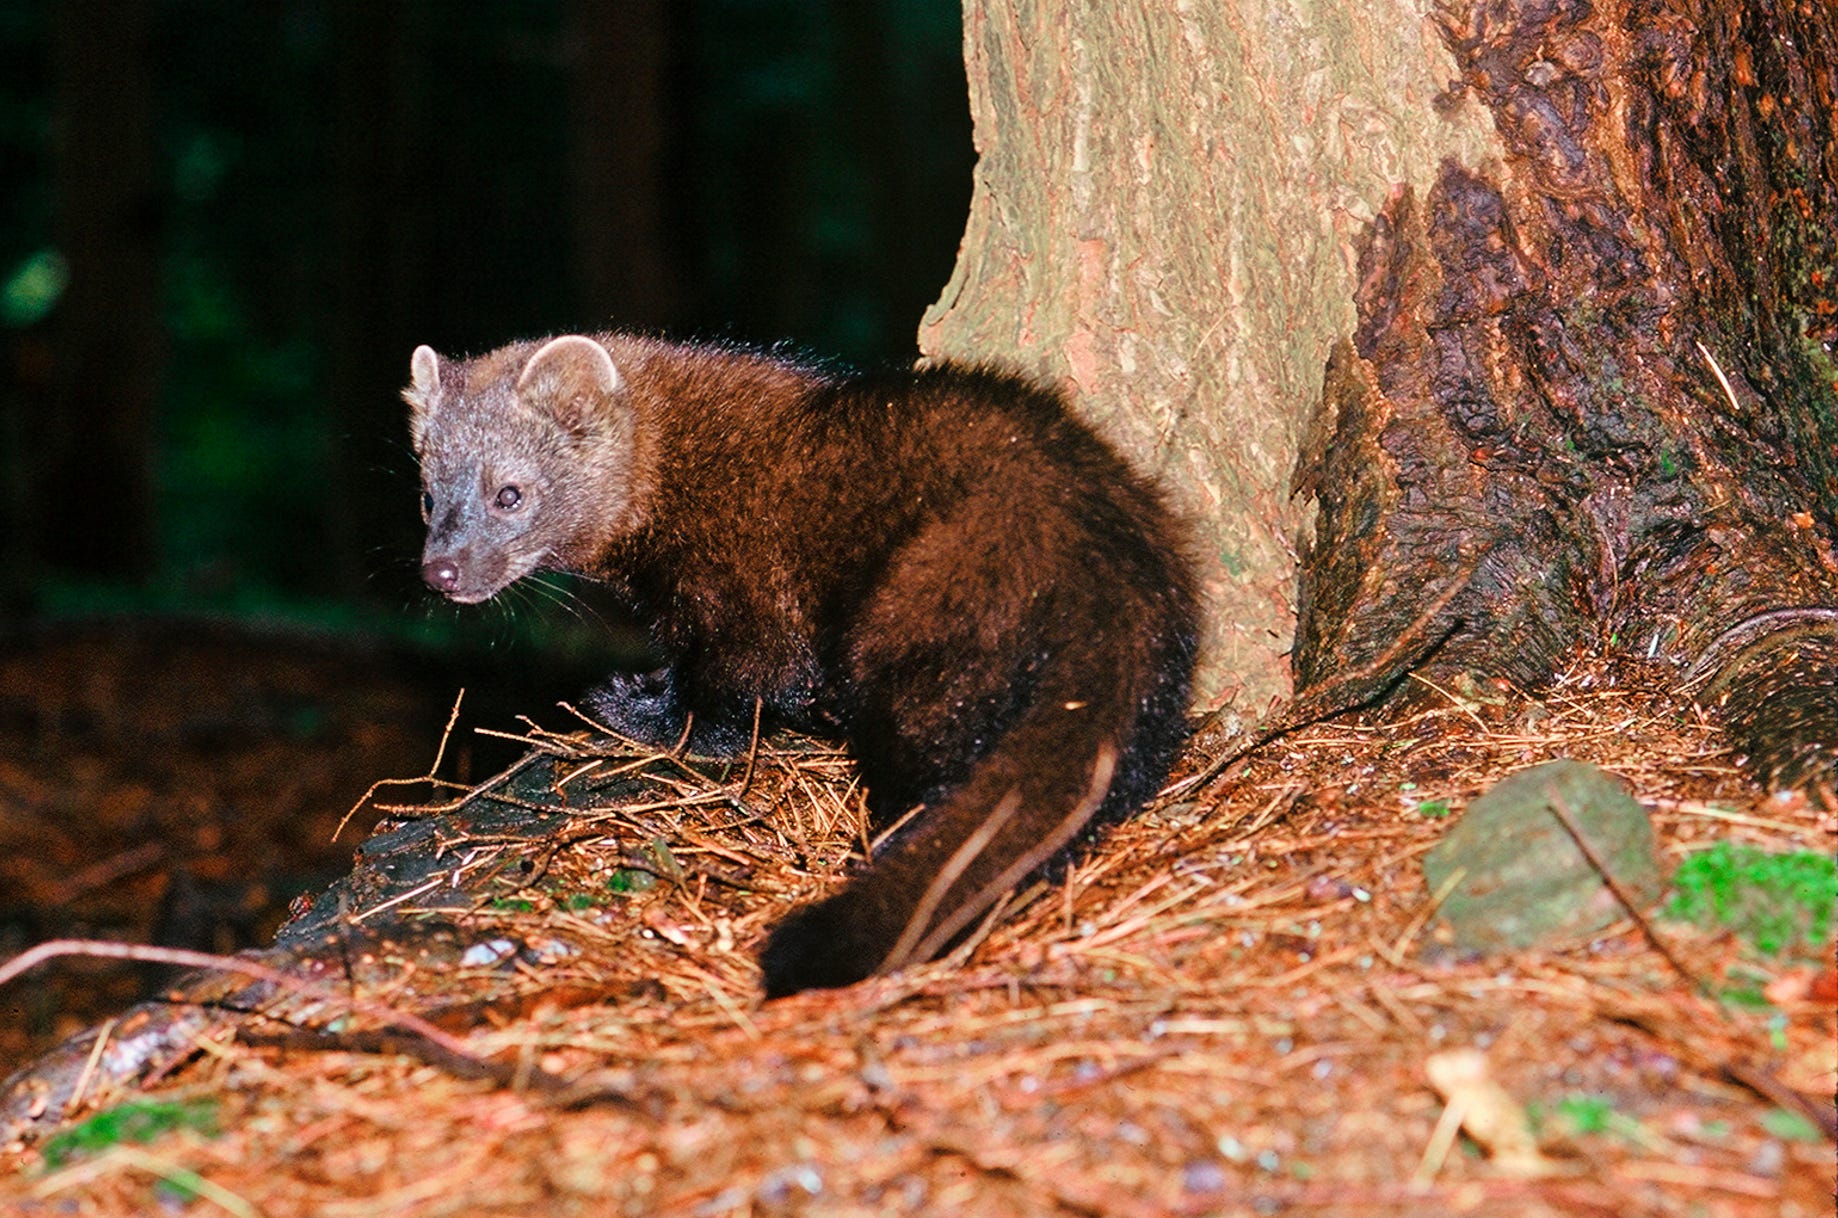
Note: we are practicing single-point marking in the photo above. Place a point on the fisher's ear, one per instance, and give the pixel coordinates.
(423, 384)
(569, 377)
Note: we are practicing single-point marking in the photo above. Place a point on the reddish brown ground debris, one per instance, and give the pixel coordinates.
(176, 784)
(1230, 1007)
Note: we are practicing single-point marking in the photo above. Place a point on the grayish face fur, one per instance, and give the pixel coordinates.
(515, 453)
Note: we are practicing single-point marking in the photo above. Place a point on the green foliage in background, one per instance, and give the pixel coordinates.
(778, 233)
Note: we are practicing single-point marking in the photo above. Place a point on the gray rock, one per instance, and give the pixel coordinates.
(1524, 882)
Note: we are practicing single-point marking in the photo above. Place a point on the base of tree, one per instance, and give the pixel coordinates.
(1592, 397)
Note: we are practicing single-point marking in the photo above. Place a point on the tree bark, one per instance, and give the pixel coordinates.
(1590, 398)
(1160, 222)
(1568, 268)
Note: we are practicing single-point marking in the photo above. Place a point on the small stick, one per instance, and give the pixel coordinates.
(1781, 1095)
(1717, 370)
(1320, 702)
(746, 778)
(1562, 811)
(966, 854)
(184, 958)
(1395, 953)
(446, 733)
(1457, 703)
(1103, 770)
(440, 754)
(95, 1059)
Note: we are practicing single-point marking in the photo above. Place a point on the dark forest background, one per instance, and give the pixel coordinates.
(224, 225)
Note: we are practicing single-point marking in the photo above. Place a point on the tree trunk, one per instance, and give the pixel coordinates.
(92, 509)
(1591, 392)
(619, 126)
(1161, 220)
(1569, 271)
(379, 256)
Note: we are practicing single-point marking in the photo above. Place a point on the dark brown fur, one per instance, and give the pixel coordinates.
(941, 566)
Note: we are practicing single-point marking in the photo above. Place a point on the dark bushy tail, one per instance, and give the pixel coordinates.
(1090, 745)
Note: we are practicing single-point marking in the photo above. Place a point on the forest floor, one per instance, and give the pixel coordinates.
(1239, 1002)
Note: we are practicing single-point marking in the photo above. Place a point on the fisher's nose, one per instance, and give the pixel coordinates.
(440, 574)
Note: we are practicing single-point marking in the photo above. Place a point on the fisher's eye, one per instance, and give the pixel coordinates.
(509, 498)
(427, 504)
